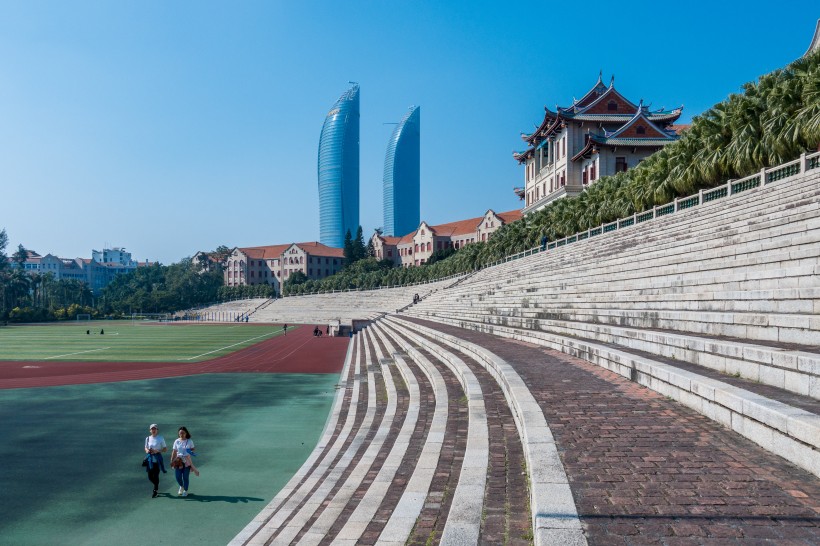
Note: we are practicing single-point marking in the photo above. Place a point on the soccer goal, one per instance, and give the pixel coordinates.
(150, 317)
(83, 317)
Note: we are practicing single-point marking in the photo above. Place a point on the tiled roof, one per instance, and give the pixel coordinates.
(510, 216)
(680, 128)
(272, 252)
(388, 240)
(461, 227)
(636, 141)
(316, 248)
(264, 252)
(624, 117)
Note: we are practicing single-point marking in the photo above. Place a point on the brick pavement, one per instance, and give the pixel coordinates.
(647, 470)
(433, 516)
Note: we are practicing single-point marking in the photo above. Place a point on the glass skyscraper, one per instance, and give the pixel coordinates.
(339, 170)
(402, 177)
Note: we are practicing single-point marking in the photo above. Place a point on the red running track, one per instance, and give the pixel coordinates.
(298, 352)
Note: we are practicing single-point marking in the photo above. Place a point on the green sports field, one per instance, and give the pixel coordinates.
(124, 341)
(71, 456)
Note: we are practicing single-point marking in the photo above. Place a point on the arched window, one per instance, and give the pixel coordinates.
(612, 106)
(641, 130)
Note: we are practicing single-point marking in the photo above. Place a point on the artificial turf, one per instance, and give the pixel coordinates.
(126, 341)
(71, 456)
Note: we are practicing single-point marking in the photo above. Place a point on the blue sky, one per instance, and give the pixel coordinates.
(170, 127)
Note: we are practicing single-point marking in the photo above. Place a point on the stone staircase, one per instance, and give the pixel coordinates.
(343, 306)
(690, 305)
(657, 384)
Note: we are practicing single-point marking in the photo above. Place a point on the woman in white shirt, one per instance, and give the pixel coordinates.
(154, 448)
(181, 460)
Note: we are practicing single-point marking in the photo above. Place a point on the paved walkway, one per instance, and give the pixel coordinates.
(646, 470)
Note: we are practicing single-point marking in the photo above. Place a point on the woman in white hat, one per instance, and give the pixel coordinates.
(154, 448)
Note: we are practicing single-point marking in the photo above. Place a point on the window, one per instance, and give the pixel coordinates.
(584, 177)
(612, 106)
(592, 172)
(620, 164)
(429, 247)
(327, 272)
(389, 253)
(641, 130)
(334, 261)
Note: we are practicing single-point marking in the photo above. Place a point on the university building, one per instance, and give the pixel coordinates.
(416, 247)
(97, 272)
(276, 263)
(601, 134)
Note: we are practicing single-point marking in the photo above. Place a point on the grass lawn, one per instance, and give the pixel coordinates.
(129, 341)
(71, 456)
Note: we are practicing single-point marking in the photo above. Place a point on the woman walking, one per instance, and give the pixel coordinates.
(181, 460)
(154, 448)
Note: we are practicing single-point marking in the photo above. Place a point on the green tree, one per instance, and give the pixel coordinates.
(359, 246)
(349, 251)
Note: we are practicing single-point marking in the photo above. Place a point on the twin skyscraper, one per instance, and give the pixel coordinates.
(339, 173)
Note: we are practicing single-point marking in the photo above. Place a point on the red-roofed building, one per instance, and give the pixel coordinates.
(276, 263)
(416, 248)
(601, 134)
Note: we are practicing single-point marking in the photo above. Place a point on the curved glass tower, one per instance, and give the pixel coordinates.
(339, 170)
(402, 176)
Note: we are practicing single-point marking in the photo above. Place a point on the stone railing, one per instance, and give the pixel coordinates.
(804, 163)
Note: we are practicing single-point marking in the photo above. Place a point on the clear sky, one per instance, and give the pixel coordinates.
(171, 127)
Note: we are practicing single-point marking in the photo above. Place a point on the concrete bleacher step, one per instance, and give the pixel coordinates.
(795, 369)
(745, 274)
(358, 520)
(553, 514)
(791, 432)
(330, 499)
(600, 247)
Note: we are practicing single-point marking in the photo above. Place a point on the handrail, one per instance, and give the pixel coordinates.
(804, 163)
(417, 283)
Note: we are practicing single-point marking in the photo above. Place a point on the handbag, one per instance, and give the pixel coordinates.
(145, 461)
(178, 463)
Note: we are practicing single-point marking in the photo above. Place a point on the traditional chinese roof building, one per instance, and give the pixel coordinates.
(599, 135)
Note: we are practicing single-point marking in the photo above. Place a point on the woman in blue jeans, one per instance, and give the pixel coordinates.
(181, 460)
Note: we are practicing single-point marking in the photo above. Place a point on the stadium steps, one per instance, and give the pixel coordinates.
(643, 469)
(753, 290)
(732, 287)
(343, 306)
(355, 396)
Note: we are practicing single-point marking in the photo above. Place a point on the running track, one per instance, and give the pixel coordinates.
(298, 352)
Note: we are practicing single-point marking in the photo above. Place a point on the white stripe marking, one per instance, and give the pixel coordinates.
(72, 354)
(229, 346)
